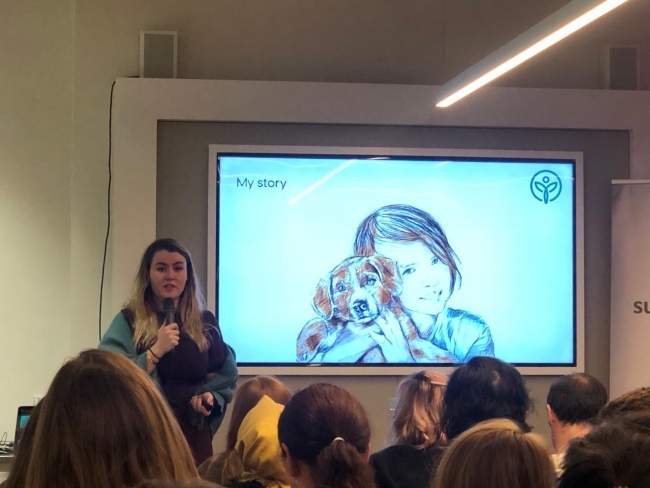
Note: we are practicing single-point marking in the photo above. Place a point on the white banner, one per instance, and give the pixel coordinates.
(630, 313)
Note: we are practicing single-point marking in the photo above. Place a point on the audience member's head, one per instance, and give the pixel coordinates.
(247, 395)
(572, 404)
(325, 439)
(103, 423)
(252, 443)
(416, 421)
(496, 454)
(637, 400)
(484, 388)
(614, 454)
(23, 453)
(576, 398)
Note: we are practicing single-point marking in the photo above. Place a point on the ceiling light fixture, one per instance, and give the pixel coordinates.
(567, 20)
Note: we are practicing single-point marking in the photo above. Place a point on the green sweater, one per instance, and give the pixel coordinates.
(119, 338)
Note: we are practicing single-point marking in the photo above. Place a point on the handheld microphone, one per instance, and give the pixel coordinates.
(170, 314)
(170, 311)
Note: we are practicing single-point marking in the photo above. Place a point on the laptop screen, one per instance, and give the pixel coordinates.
(21, 421)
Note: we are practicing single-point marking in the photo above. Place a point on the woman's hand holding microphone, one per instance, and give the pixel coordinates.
(167, 339)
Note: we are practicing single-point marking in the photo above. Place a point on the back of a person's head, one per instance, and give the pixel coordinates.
(253, 462)
(327, 429)
(496, 454)
(417, 421)
(484, 388)
(614, 454)
(247, 395)
(637, 400)
(576, 398)
(103, 423)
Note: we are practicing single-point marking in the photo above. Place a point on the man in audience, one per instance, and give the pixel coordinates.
(572, 404)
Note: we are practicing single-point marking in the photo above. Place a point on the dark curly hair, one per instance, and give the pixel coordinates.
(481, 389)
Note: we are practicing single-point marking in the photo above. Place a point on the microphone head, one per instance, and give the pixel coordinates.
(170, 310)
(168, 305)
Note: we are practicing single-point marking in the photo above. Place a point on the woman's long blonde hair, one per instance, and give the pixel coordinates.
(496, 454)
(191, 303)
(416, 421)
(102, 424)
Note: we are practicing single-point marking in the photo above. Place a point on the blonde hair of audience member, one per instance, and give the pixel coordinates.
(190, 303)
(247, 395)
(104, 424)
(496, 454)
(416, 421)
(324, 435)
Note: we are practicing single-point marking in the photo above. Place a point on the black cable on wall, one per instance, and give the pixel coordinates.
(108, 209)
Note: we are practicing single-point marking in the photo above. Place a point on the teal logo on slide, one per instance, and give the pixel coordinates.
(545, 186)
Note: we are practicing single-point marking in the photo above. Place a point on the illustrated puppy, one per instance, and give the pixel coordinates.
(348, 301)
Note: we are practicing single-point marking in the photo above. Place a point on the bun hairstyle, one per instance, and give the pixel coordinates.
(327, 428)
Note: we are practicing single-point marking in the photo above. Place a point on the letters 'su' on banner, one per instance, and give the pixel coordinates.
(630, 310)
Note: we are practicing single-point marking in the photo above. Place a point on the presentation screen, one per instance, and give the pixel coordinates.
(377, 261)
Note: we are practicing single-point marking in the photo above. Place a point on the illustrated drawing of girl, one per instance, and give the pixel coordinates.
(429, 269)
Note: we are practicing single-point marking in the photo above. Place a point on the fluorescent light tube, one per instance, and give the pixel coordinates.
(567, 20)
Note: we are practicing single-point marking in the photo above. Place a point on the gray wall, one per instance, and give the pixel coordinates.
(182, 186)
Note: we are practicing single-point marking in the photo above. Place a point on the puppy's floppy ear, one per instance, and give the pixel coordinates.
(322, 299)
(388, 272)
